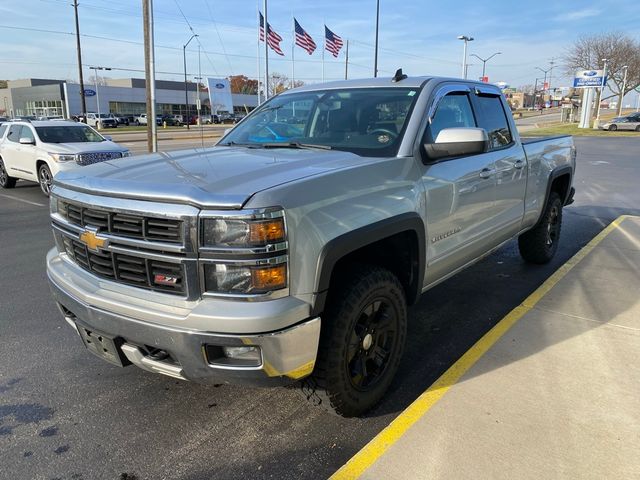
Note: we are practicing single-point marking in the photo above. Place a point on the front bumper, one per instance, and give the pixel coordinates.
(287, 354)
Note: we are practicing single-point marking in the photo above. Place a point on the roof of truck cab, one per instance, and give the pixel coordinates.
(409, 82)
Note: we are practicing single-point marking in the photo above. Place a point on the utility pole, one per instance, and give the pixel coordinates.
(83, 100)
(346, 63)
(149, 71)
(375, 61)
(624, 86)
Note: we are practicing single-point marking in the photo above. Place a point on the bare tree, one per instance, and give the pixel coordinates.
(102, 81)
(278, 83)
(619, 49)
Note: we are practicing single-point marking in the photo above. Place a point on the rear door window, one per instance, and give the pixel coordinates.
(492, 117)
(3, 128)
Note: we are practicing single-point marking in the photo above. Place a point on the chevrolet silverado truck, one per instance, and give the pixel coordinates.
(290, 250)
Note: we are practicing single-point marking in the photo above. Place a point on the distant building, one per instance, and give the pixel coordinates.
(127, 96)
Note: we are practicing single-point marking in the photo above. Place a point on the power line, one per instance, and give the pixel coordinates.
(197, 38)
(206, 2)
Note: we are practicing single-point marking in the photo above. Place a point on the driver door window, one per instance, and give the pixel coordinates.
(453, 111)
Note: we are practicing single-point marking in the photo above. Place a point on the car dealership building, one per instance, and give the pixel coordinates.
(126, 96)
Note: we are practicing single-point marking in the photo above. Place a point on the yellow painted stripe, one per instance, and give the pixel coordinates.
(396, 429)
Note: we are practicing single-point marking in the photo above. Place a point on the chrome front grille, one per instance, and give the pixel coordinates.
(96, 157)
(124, 224)
(128, 269)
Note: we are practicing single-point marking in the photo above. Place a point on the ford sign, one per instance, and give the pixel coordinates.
(219, 85)
(589, 78)
(591, 73)
(89, 93)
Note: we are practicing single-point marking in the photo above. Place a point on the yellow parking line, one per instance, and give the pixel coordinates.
(394, 431)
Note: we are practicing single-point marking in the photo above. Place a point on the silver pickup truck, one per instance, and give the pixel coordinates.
(290, 251)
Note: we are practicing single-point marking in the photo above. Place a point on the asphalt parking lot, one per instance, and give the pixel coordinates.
(67, 415)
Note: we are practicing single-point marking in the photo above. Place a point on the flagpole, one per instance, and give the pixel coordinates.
(375, 62)
(293, 47)
(346, 62)
(266, 53)
(324, 47)
(258, 52)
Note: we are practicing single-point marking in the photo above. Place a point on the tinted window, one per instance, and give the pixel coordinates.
(2, 130)
(14, 133)
(492, 118)
(454, 111)
(27, 133)
(67, 134)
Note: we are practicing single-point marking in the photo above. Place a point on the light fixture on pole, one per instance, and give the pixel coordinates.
(484, 61)
(466, 39)
(95, 76)
(624, 86)
(603, 83)
(186, 87)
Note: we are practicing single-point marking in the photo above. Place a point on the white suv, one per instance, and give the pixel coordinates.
(38, 150)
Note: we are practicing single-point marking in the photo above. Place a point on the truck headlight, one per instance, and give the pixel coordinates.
(241, 279)
(63, 157)
(231, 232)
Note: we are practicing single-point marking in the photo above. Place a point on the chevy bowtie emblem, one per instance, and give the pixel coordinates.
(92, 240)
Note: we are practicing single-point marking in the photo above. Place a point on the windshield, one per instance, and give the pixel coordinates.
(69, 134)
(365, 121)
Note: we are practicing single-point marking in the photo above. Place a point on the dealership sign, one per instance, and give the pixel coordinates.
(220, 95)
(589, 78)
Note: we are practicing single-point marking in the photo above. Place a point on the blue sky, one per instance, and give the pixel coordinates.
(417, 35)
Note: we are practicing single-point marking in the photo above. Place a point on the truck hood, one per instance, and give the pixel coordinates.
(219, 177)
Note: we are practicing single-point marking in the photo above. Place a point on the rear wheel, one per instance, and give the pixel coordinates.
(638, 128)
(613, 128)
(540, 244)
(362, 339)
(5, 180)
(45, 179)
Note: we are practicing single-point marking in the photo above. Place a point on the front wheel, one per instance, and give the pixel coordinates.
(540, 244)
(45, 179)
(5, 180)
(613, 128)
(362, 339)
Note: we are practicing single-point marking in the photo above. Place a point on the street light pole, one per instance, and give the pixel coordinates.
(624, 86)
(95, 74)
(186, 87)
(466, 39)
(485, 60)
(596, 122)
(375, 62)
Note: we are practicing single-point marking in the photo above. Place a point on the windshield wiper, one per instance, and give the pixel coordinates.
(294, 145)
(236, 144)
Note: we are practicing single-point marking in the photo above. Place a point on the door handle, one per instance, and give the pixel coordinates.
(487, 172)
(519, 164)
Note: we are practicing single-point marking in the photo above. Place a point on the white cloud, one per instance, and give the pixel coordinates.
(580, 14)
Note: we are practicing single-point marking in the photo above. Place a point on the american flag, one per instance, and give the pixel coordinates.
(273, 39)
(303, 39)
(333, 43)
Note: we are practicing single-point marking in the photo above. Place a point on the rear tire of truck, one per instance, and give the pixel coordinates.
(361, 343)
(540, 244)
(5, 180)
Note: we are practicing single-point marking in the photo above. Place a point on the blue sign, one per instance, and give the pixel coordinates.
(89, 93)
(219, 85)
(589, 78)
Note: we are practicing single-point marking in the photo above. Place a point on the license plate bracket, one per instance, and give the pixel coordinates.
(102, 345)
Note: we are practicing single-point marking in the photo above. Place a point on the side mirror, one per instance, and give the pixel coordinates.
(27, 141)
(456, 142)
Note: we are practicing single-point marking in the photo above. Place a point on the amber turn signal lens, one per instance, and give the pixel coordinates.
(269, 278)
(266, 231)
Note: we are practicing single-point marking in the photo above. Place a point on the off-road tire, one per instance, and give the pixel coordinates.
(45, 179)
(540, 244)
(5, 180)
(357, 292)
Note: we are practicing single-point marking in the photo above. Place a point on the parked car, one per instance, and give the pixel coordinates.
(3, 120)
(290, 254)
(622, 123)
(142, 119)
(209, 119)
(38, 150)
(170, 120)
(120, 119)
(105, 120)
